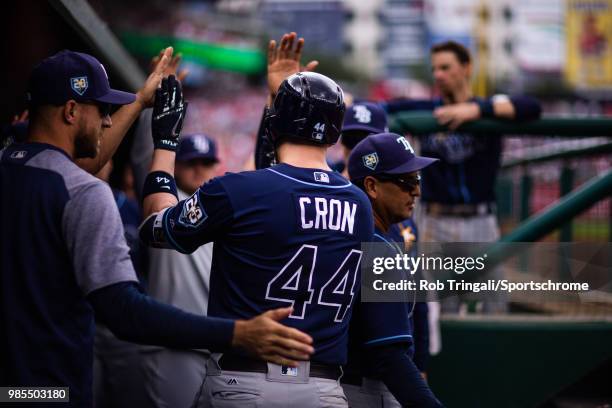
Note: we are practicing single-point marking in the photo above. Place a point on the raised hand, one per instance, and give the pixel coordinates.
(284, 60)
(146, 94)
(168, 114)
(172, 67)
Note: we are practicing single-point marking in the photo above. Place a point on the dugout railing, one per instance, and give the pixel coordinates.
(555, 184)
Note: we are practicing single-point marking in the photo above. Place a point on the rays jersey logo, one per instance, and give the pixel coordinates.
(79, 84)
(192, 215)
(370, 160)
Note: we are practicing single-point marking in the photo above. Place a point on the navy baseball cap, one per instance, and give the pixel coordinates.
(73, 75)
(197, 146)
(384, 153)
(366, 116)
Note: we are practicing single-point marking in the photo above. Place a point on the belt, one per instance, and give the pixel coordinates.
(460, 210)
(352, 379)
(234, 362)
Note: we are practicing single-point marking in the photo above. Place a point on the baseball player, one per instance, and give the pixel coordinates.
(285, 235)
(63, 255)
(362, 119)
(381, 372)
(458, 201)
(173, 377)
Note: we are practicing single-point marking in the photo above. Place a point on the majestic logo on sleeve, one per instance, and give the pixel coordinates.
(79, 84)
(370, 160)
(20, 154)
(192, 215)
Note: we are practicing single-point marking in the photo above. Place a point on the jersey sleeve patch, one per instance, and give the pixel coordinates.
(193, 213)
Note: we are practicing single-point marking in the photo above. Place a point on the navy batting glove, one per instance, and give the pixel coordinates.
(168, 114)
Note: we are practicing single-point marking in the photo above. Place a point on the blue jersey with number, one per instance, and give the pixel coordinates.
(282, 236)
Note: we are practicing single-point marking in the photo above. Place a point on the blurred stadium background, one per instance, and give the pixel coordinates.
(557, 50)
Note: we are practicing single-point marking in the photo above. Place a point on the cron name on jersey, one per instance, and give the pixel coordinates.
(324, 213)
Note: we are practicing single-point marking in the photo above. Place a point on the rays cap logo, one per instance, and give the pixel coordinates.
(79, 84)
(384, 153)
(197, 146)
(370, 160)
(72, 75)
(365, 116)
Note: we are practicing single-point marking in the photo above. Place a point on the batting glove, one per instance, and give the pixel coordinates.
(168, 114)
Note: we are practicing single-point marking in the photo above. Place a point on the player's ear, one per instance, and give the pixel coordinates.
(468, 70)
(70, 111)
(370, 187)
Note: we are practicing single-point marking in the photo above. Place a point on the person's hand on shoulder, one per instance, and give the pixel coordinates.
(264, 337)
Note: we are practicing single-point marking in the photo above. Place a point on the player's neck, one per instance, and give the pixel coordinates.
(306, 156)
(38, 133)
(380, 223)
(464, 94)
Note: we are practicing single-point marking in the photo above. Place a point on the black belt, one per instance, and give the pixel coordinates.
(352, 379)
(459, 210)
(234, 362)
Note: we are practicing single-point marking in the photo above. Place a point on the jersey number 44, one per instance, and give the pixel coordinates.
(294, 283)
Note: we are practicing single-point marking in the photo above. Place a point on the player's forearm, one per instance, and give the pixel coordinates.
(392, 365)
(163, 160)
(526, 108)
(516, 107)
(402, 105)
(113, 136)
(133, 316)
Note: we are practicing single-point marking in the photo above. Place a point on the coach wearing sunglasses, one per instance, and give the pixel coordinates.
(385, 167)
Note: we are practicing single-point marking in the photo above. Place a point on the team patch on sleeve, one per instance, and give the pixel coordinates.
(192, 214)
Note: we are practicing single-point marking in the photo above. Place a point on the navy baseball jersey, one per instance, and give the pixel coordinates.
(61, 239)
(283, 236)
(408, 233)
(383, 323)
(380, 323)
(468, 162)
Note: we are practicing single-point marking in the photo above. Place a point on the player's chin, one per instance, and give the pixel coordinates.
(407, 213)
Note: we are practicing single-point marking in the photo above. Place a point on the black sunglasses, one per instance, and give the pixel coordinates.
(104, 108)
(406, 183)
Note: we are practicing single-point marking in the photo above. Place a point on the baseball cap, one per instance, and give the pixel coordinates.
(367, 116)
(197, 146)
(384, 153)
(73, 75)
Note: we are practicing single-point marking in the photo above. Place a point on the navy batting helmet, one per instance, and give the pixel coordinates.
(309, 107)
